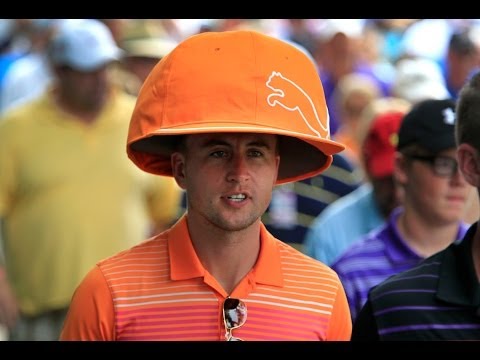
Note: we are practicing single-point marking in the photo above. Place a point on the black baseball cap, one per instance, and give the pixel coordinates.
(429, 124)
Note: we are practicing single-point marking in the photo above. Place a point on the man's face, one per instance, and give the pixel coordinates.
(442, 199)
(88, 90)
(229, 178)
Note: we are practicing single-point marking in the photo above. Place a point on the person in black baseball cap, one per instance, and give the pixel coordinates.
(427, 168)
(433, 195)
(426, 131)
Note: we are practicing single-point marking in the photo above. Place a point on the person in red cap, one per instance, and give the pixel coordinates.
(229, 115)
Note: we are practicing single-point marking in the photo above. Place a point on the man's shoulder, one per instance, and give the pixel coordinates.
(145, 249)
(345, 207)
(368, 246)
(290, 254)
(423, 276)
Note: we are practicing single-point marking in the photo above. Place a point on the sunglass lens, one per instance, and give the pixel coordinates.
(235, 315)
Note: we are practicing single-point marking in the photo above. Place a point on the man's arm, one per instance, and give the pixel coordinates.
(8, 303)
(91, 313)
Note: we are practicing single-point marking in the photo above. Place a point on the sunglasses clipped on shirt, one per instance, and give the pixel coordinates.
(234, 316)
(443, 166)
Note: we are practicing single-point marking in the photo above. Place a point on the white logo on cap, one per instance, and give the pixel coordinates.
(448, 116)
(282, 87)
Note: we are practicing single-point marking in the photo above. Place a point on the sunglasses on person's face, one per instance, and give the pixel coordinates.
(234, 316)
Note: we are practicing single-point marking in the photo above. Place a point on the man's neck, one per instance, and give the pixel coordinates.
(227, 256)
(86, 115)
(424, 238)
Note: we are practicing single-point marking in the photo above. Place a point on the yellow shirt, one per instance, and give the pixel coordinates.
(69, 196)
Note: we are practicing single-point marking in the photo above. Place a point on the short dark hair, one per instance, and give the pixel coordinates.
(467, 125)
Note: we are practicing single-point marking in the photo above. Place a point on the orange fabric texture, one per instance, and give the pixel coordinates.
(233, 81)
(159, 290)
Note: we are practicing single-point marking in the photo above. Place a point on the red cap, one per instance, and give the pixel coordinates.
(380, 144)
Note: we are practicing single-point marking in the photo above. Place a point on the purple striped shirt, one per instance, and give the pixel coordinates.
(375, 257)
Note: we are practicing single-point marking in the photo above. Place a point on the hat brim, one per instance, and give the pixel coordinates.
(95, 61)
(301, 156)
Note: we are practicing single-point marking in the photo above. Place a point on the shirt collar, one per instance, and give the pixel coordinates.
(397, 249)
(458, 282)
(185, 264)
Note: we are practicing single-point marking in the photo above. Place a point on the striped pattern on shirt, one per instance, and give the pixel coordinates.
(160, 291)
(436, 300)
(149, 306)
(380, 254)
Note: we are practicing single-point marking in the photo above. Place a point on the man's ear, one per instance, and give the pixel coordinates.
(469, 163)
(400, 174)
(178, 169)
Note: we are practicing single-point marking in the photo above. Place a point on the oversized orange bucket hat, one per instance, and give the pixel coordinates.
(234, 81)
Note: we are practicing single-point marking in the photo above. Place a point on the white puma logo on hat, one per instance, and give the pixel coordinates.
(282, 87)
(448, 116)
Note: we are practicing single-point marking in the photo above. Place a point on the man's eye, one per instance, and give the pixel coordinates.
(219, 154)
(255, 153)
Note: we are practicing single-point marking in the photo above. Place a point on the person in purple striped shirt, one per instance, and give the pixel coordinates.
(435, 196)
(439, 298)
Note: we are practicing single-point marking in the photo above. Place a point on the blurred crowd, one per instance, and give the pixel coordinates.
(373, 72)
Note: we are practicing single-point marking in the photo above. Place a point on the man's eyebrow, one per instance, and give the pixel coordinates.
(259, 143)
(214, 142)
(254, 142)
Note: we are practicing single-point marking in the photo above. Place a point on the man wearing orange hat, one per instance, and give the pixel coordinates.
(229, 115)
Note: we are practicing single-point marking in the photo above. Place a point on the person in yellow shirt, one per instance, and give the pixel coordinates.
(69, 197)
(228, 115)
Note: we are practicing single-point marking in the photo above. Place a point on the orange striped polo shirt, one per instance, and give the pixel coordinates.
(159, 290)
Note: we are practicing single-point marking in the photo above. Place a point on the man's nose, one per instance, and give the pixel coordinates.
(239, 170)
